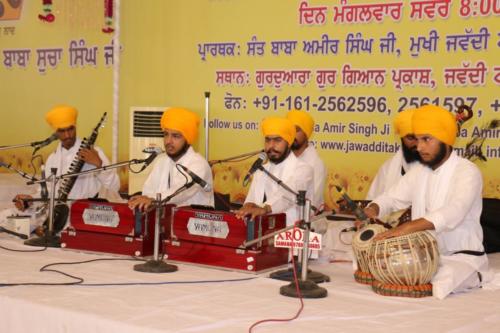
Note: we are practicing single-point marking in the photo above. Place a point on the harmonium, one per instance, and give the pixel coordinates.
(216, 238)
(112, 228)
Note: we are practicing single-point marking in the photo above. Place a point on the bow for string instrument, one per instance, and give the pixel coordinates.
(61, 210)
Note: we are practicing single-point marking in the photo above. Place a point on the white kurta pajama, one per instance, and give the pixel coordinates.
(294, 173)
(389, 174)
(86, 186)
(165, 178)
(451, 198)
(310, 156)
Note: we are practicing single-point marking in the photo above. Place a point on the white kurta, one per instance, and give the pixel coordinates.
(451, 198)
(311, 157)
(294, 173)
(86, 186)
(389, 174)
(165, 178)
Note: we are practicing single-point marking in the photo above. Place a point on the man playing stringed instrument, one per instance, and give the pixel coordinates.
(445, 192)
(63, 120)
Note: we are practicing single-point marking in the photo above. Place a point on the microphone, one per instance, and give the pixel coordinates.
(151, 150)
(358, 212)
(148, 160)
(255, 166)
(206, 186)
(43, 143)
(44, 192)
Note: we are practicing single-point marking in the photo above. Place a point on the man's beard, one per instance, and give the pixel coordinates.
(410, 154)
(179, 154)
(438, 158)
(296, 145)
(280, 159)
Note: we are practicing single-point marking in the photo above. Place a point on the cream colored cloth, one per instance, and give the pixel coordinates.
(389, 174)
(86, 186)
(294, 173)
(311, 157)
(165, 178)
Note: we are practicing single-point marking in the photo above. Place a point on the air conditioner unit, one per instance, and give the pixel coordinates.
(145, 133)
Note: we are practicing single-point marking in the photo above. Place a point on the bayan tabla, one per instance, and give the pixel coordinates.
(361, 243)
(405, 265)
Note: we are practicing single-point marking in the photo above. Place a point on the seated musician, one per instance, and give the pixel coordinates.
(407, 157)
(445, 194)
(63, 120)
(305, 151)
(180, 130)
(265, 195)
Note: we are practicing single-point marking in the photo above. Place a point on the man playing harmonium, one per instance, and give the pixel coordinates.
(265, 196)
(180, 130)
(305, 151)
(445, 192)
(63, 120)
(398, 165)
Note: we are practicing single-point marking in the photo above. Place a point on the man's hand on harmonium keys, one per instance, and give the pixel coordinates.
(252, 210)
(140, 202)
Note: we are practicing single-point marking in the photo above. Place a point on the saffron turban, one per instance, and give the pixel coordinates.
(436, 121)
(402, 123)
(303, 120)
(182, 120)
(279, 126)
(62, 116)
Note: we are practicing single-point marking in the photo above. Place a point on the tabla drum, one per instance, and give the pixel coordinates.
(361, 243)
(405, 265)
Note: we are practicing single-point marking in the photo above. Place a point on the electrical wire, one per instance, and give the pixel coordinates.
(28, 251)
(79, 281)
(299, 294)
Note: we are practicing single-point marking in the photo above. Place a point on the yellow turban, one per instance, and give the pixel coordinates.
(62, 116)
(303, 120)
(279, 126)
(182, 120)
(402, 123)
(436, 121)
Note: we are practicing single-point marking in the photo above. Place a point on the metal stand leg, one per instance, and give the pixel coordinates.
(156, 265)
(50, 239)
(307, 287)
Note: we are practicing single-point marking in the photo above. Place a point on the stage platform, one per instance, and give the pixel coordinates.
(195, 299)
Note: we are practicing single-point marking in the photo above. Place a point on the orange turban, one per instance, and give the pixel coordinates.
(436, 121)
(303, 120)
(279, 126)
(402, 123)
(61, 117)
(182, 120)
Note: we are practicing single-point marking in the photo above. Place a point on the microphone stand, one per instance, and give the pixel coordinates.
(49, 239)
(207, 122)
(35, 144)
(156, 265)
(230, 159)
(307, 283)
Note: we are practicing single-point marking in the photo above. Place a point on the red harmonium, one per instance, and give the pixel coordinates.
(112, 228)
(216, 238)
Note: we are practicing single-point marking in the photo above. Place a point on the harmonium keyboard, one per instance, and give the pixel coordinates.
(112, 228)
(216, 238)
